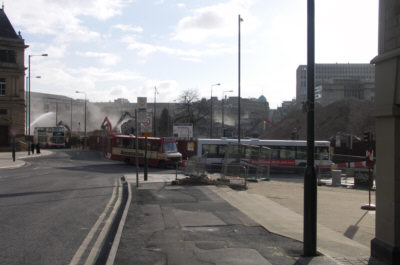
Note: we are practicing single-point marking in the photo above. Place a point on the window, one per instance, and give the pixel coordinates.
(155, 146)
(2, 86)
(3, 111)
(214, 151)
(7, 56)
(170, 148)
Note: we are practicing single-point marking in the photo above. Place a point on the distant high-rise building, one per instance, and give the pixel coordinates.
(12, 70)
(330, 75)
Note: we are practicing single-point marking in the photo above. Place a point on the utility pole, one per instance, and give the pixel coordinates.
(239, 21)
(310, 179)
(155, 110)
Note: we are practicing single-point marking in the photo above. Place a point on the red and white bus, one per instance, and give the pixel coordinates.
(284, 153)
(161, 152)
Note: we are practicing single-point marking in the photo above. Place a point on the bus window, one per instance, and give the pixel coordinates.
(155, 146)
(322, 153)
(301, 152)
(118, 142)
(275, 152)
(287, 152)
(210, 149)
(141, 144)
(125, 143)
(170, 147)
(221, 150)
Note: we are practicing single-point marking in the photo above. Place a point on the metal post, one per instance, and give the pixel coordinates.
(211, 119)
(29, 98)
(137, 146)
(146, 165)
(26, 106)
(239, 21)
(222, 123)
(310, 180)
(155, 110)
(56, 113)
(29, 102)
(13, 148)
(85, 141)
(70, 127)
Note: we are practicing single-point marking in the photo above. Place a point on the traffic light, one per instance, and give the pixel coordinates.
(367, 138)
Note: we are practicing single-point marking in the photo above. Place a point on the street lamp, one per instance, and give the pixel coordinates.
(240, 20)
(29, 97)
(223, 109)
(81, 92)
(26, 100)
(211, 122)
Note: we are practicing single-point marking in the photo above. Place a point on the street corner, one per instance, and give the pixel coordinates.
(9, 164)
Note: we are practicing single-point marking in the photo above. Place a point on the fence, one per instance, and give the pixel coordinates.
(246, 162)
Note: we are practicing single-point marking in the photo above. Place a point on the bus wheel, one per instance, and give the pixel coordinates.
(127, 161)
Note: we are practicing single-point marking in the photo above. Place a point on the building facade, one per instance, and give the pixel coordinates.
(337, 76)
(12, 70)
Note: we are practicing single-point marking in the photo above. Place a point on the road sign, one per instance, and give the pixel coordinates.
(142, 103)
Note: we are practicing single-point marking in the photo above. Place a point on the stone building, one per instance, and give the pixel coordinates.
(12, 100)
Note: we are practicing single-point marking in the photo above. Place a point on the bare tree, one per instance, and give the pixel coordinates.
(190, 109)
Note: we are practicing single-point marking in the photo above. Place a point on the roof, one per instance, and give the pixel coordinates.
(262, 99)
(6, 29)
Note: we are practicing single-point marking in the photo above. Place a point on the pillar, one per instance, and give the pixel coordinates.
(385, 245)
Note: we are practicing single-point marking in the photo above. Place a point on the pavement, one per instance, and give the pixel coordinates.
(6, 159)
(214, 224)
(189, 224)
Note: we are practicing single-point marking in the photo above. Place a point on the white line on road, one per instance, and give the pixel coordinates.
(100, 239)
(78, 255)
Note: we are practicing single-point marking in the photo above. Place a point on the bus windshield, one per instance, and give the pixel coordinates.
(170, 148)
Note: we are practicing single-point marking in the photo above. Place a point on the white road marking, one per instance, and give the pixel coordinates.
(100, 239)
(82, 248)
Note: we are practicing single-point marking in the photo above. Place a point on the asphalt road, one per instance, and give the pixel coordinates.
(48, 207)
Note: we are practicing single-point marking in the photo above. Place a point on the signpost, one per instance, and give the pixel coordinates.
(13, 134)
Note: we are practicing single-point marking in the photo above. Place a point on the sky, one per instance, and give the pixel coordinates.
(113, 49)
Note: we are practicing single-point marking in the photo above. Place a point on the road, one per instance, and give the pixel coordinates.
(48, 207)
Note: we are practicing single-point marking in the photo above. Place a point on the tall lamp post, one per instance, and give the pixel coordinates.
(211, 100)
(26, 100)
(310, 179)
(155, 111)
(223, 110)
(81, 92)
(29, 97)
(240, 20)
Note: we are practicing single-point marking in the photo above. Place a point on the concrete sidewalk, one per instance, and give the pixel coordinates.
(169, 224)
(6, 160)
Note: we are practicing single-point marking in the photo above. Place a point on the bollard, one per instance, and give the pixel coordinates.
(176, 171)
(146, 165)
(336, 178)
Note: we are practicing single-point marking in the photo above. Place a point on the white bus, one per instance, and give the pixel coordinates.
(284, 153)
(50, 137)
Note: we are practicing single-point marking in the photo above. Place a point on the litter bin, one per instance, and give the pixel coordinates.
(336, 178)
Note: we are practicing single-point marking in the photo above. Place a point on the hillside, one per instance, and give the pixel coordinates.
(350, 116)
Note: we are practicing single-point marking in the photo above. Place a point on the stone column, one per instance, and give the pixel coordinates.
(385, 245)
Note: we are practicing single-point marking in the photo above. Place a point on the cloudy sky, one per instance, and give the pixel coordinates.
(124, 48)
